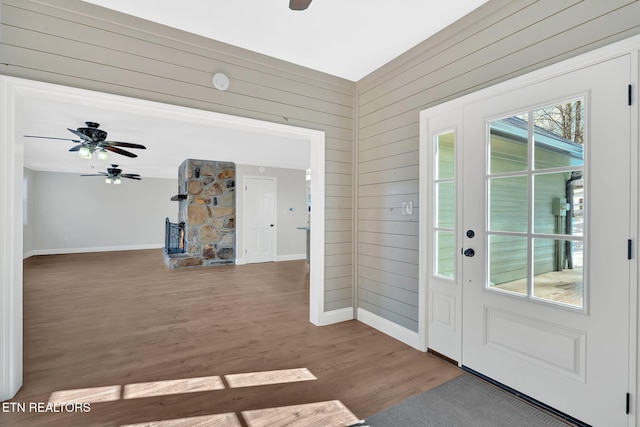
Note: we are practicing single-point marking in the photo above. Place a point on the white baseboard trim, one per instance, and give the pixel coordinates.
(394, 330)
(242, 261)
(63, 251)
(337, 316)
(29, 254)
(292, 257)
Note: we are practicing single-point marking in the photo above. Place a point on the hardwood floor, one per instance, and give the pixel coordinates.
(146, 345)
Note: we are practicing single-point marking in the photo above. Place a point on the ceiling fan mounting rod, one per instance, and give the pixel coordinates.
(299, 4)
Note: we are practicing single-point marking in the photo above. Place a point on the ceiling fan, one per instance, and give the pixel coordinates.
(299, 4)
(114, 175)
(93, 139)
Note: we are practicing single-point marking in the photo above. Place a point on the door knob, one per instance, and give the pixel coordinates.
(469, 252)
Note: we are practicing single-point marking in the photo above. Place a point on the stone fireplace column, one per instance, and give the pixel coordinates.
(207, 207)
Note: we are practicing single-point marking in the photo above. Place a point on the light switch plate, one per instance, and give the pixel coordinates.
(407, 208)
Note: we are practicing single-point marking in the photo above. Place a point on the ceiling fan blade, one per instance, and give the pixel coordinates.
(123, 144)
(299, 4)
(131, 177)
(76, 147)
(50, 137)
(80, 134)
(120, 151)
(96, 174)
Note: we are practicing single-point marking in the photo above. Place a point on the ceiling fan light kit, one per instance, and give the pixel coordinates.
(93, 139)
(114, 175)
(84, 153)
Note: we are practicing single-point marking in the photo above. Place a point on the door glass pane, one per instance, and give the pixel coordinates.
(508, 206)
(508, 144)
(558, 271)
(446, 194)
(559, 134)
(529, 204)
(445, 248)
(444, 156)
(444, 205)
(508, 263)
(558, 201)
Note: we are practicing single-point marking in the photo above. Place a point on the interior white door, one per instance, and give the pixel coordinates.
(260, 219)
(520, 325)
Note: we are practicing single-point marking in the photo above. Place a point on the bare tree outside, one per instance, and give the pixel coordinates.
(565, 120)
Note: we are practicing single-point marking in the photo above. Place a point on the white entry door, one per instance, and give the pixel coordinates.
(546, 216)
(260, 219)
(443, 157)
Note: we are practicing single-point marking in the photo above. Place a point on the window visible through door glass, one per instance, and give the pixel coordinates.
(444, 205)
(535, 184)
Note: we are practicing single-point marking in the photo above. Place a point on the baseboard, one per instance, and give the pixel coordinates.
(63, 251)
(292, 257)
(394, 330)
(239, 261)
(337, 316)
(29, 254)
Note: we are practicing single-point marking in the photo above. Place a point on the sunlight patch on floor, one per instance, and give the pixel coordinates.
(86, 395)
(331, 413)
(179, 386)
(325, 414)
(218, 420)
(163, 388)
(269, 377)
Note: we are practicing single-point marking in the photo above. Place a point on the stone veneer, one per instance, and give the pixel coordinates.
(208, 211)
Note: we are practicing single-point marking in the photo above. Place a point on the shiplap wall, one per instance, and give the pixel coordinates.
(77, 44)
(500, 40)
(72, 43)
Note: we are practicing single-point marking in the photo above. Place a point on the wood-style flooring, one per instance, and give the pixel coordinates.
(214, 346)
(563, 286)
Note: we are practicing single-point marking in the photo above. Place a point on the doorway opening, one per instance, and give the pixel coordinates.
(15, 93)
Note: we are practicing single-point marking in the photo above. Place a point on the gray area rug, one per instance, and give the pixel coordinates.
(463, 401)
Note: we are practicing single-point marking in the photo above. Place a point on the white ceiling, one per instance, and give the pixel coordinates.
(346, 38)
